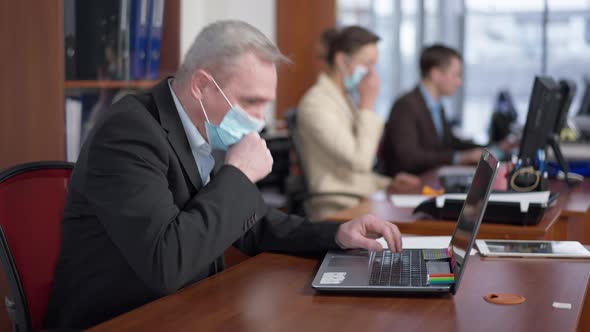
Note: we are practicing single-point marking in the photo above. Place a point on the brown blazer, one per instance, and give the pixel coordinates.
(410, 142)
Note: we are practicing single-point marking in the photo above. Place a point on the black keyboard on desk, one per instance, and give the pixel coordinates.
(407, 268)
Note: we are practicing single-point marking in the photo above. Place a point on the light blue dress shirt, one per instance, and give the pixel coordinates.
(199, 147)
(435, 108)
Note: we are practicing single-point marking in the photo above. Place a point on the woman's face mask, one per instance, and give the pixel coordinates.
(236, 124)
(351, 82)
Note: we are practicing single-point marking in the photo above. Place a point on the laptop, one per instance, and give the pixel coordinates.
(413, 270)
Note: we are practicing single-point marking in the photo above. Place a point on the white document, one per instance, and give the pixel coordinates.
(423, 242)
(525, 199)
(73, 128)
(408, 201)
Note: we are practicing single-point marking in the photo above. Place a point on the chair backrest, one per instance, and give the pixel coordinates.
(32, 200)
(298, 187)
(291, 120)
(301, 194)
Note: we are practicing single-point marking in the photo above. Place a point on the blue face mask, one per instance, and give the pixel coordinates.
(233, 127)
(352, 82)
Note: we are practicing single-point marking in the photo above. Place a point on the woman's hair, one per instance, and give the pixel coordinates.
(346, 40)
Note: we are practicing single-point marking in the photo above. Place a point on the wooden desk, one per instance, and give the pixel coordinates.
(272, 292)
(575, 200)
(568, 219)
(574, 218)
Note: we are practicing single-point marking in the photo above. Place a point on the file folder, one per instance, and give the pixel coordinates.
(138, 34)
(155, 39)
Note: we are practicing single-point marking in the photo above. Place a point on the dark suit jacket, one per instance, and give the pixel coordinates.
(139, 224)
(410, 142)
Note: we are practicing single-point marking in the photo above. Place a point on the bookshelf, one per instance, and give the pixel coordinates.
(33, 86)
(110, 84)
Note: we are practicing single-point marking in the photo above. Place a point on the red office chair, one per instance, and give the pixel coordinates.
(32, 199)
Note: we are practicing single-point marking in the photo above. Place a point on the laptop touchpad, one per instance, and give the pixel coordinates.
(347, 261)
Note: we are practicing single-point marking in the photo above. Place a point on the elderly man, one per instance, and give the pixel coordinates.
(152, 206)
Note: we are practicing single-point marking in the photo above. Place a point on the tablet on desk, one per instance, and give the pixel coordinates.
(526, 248)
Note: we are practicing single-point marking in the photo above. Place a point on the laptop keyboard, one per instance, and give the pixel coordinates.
(407, 268)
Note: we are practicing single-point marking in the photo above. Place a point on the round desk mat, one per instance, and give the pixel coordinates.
(504, 298)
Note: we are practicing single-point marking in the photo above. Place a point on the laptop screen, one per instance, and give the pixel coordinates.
(472, 214)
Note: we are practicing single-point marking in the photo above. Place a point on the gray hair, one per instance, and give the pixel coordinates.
(219, 44)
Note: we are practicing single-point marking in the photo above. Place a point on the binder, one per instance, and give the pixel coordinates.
(70, 38)
(123, 40)
(501, 210)
(97, 28)
(138, 34)
(154, 39)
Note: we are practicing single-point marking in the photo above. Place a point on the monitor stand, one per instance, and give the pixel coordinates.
(570, 178)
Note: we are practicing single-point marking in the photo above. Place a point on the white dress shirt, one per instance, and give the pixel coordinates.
(200, 148)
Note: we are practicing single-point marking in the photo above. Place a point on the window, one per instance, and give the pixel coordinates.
(569, 57)
(503, 47)
(404, 27)
(505, 43)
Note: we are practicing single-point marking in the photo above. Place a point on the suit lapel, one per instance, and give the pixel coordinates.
(176, 134)
(219, 157)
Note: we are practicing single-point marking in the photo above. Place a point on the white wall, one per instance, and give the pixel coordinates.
(195, 14)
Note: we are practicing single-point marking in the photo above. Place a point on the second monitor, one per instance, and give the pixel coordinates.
(541, 118)
(547, 111)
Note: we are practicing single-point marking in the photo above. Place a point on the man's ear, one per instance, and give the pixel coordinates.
(435, 74)
(199, 81)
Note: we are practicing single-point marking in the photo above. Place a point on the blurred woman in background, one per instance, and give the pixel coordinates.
(338, 126)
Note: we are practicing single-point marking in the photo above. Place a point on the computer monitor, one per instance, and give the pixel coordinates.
(541, 118)
(585, 105)
(567, 91)
(546, 106)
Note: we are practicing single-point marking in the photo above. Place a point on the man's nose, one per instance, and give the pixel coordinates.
(259, 113)
(256, 114)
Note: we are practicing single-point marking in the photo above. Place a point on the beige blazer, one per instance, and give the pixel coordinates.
(339, 145)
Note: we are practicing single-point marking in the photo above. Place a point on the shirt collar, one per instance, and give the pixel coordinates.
(334, 91)
(195, 139)
(431, 103)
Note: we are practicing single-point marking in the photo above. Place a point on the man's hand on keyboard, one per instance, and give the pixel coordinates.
(362, 232)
